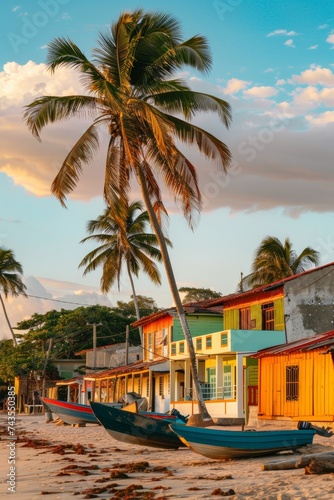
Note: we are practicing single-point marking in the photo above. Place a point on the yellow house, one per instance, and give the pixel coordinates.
(296, 380)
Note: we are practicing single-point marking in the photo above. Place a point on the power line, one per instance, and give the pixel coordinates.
(56, 300)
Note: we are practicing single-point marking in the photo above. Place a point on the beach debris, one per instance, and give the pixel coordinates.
(35, 443)
(118, 474)
(221, 493)
(298, 462)
(320, 465)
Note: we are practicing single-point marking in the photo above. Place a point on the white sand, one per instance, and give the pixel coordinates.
(172, 474)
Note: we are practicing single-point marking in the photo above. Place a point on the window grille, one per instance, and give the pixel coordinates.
(292, 383)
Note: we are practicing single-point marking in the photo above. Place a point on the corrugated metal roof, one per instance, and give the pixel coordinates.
(191, 308)
(320, 341)
(138, 366)
(213, 304)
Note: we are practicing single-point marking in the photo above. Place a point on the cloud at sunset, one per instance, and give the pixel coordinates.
(258, 136)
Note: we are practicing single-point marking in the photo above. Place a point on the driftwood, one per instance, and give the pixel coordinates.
(298, 462)
(320, 466)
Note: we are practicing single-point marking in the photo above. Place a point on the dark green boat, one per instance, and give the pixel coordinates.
(135, 428)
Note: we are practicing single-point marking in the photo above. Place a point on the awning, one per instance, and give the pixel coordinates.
(160, 367)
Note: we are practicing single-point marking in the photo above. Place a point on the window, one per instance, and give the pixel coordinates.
(150, 345)
(292, 383)
(227, 382)
(198, 344)
(173, 349)
(208, 342)
(224, 339)
(245, 319)
(268, 316)
(181, 347)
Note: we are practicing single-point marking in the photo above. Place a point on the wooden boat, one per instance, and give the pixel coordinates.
(72, 413)
(137, 428)
(220, 444)
(75, 413)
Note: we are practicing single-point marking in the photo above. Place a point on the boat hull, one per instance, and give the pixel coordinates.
(71, 413)
(136, 428)
(220, 444)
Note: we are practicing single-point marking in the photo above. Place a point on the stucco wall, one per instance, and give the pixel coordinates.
(309, 304)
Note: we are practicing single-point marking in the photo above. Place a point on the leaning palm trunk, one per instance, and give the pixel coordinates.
(175, 294)
(7, 319)
(135, 301)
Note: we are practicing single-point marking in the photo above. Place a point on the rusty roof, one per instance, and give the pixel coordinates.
(323, 341)
(137, 366)
(214, 305)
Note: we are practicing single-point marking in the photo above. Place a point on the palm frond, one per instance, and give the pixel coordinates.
(49, 109)
(81, 153)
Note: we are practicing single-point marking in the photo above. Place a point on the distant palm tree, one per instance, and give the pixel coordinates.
(124, 243)
(10, 281)
(275, 260)
(134, 92)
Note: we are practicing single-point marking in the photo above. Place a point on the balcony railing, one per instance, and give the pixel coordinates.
(210, 392)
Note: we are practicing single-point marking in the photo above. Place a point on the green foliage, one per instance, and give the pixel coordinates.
(71, 332)
(275, 260)
(198, 294)
(146, 306)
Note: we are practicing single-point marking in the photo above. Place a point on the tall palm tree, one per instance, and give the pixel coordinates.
(275, 260)
(123, 241)
(133, 90)
(10, 281)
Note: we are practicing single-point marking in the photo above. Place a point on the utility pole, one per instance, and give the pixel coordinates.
(94, 325)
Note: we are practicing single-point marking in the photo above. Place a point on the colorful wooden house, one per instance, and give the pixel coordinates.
(296, 380)
(263, 317)
(161, 331)
(112, 385)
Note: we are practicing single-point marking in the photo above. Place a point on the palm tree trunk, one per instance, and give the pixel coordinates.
(175, 294)
(7, 319)
(135, 301)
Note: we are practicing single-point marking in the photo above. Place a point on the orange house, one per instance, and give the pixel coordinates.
(296, 380)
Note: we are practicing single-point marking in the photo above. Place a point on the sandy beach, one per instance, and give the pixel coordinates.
(63, 462)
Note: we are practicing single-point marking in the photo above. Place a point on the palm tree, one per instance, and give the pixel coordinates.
(132, 89)
(275, 260)
(123, 241)
(10, 281)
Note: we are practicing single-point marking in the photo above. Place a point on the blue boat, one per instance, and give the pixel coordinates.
(220, 444)
(136, 428)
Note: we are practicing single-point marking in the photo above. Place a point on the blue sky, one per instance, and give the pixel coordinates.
(273, 61)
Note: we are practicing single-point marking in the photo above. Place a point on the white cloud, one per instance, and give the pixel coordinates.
(316, 75)
(281, 32)
(321, 119)
(44, 295)
(313, 47)
(261, 92)
(289, 43)
(330, 38)
(234, 85)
